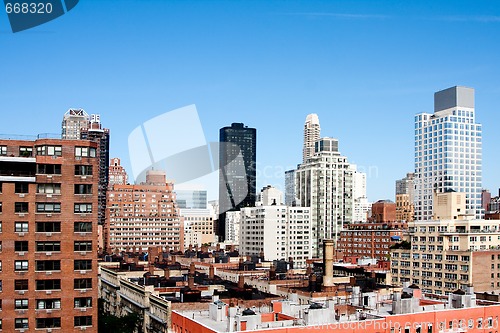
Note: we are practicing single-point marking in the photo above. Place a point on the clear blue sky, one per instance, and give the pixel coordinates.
(365, 67)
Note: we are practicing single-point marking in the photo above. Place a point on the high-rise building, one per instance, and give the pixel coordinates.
(73, 121)
(198, 226)
(192, 199)
(405, 198)
(143, 216)
(48, 244)
(311, 135)
(237, 183)
(94, 132)
(325, 184)
(117, 173)
(361, 204)
(448, 152)
(290, 198)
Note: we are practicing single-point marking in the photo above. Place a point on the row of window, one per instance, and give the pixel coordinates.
(22, 323)
(49, 265)
(52, 188)
(53, 303)
(23, 226)
(51, 207)
(22, 246)
(52, 284)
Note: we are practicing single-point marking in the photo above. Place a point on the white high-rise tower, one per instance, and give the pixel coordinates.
(311, 135)
(448, 152)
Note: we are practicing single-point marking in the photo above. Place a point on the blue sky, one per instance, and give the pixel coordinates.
(365, 67)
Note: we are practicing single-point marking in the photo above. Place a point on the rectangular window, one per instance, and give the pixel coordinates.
(3, 150)
(85, 152)
(45, 207)
(21, 265)
(21, 304)
(83, 170)
(48, 246)
(83, 208)
(48, 226)
(48, 169)
(25, 151)
(52, 303)
(49, 150)
(49, 188)
(83, 246)
(54, 284)
(21, 188)
(21, 227)
(48, 265)
(83, 321)
(48, 322)
(83, 188)
(83, 284)
(82, 265)
(83, 302)
(21, 285)
(83, 227)
(21, 207)
(21, 323)
(21, 246)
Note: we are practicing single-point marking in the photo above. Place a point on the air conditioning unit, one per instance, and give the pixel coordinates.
(49, 195)
(48, 253)
(83, 309)
(84, 177)
(21, 292)
(21, 195)
(49, 311)
(49, 176)
(48, 273)
(22, 214)
(83, 272)
(49, 215)
(48, 292)
(21, 234)
(21, 253)
(48, 234)
(49, 329)
(78, 158)
(83, 291)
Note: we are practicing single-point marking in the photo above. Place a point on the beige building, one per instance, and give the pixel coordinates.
(198, 226)
(449, 206)
(405, 208)
(446, 255)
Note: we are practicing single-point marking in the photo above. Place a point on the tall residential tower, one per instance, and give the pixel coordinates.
(448, 152)
(311, 135)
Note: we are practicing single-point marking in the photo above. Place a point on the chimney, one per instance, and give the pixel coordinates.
(151, 269)
(241, 281)
(166, 273)
(191, 269)
(190, 247)
(218, 247)
(328, 249)
(191, 282)
(232, 246)
(136, 260)
(272, 273)
(211, 272)
(312, 282)
(241, 260)
(203, 248)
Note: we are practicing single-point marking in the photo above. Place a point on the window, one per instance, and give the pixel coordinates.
(83, 208)
(48, 322)
(21, 207)
(25, 151)
(20, 304)
(48, 226)
(83, 321)
(83, 188)
(83, 265)
(49, 150)
(45, 207)
(21, 323)
(52, 303)
(83, 284)
(0, 207)
(21, 285)
(0, 221)
(1, 287)
(83, 227)
(85, 152)
(21, 227)
(21, 246)
(83, 170)
(3, 150)
(49, 188)
(48, 265)
(48, 246)
(21, 265)
(83, 246)
(83, 302)
(48, 169)
(48, 284)
(21, 188)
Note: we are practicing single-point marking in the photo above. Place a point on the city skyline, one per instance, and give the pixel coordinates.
(366, 70)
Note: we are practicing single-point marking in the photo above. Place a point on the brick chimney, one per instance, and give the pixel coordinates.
(191, 282)
(166, 273)
(211, 272)
(241, 281)
(191, 269)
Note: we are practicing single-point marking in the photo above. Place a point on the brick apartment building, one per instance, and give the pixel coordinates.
(48, 233)
(143, 216)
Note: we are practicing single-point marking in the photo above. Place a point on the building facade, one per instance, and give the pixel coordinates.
(48, 228)
(73, 121)
(448, 152)
(290, 198)
(117, 173)
(143, 216)
(237, 183)
(192, 199)
(447, 255)
(198, 226)
(405, 198)
(325, 184)
(278, 231)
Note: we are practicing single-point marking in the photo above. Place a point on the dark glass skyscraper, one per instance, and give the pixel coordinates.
(237, 176)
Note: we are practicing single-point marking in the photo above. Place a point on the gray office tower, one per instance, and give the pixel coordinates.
(237, 175)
